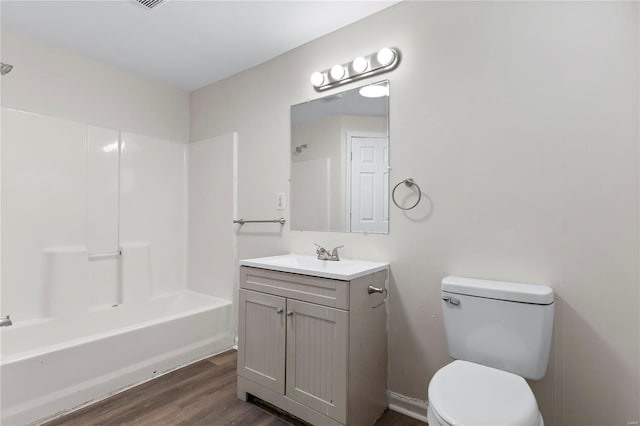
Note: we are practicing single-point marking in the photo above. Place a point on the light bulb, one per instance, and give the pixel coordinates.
(317, 78)
(337, 72)
(359, 64)
(385, 56)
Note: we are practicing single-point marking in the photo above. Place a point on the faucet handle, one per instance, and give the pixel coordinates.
(334, 253)
(322, 252)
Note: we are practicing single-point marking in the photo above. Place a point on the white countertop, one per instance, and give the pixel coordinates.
(344, 269)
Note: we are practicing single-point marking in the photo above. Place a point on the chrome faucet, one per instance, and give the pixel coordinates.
(5, 321)
(323, 253)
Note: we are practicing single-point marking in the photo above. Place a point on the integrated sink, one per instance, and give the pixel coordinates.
(344, 269)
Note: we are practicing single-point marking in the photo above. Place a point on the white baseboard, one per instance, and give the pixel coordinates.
(412, 407)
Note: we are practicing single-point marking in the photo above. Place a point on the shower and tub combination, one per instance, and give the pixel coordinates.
(95, 275)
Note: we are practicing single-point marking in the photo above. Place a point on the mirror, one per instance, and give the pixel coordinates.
(339, 162)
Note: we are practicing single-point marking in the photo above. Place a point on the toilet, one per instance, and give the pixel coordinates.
(499, 333)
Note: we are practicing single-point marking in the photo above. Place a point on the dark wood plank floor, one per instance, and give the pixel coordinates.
(203, 393)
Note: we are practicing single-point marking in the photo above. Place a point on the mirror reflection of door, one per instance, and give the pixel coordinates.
(368, 182)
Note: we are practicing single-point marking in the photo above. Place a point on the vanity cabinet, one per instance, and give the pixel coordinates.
(314, 347)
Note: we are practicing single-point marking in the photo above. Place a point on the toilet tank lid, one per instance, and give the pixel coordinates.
(501, 290)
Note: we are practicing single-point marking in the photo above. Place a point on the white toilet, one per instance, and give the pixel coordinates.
(499, 333)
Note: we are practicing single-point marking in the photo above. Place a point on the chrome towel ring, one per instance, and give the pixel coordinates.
(409, 182)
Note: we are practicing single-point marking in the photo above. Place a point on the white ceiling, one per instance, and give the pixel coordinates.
(184, 43)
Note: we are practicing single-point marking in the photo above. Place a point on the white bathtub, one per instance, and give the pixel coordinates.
(53, 366)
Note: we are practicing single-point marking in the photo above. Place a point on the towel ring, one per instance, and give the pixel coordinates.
(409, 182)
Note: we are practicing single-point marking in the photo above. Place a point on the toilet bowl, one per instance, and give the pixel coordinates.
(499, 333)
(465, 393)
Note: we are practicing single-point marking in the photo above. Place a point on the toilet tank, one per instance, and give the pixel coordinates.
(499, 324)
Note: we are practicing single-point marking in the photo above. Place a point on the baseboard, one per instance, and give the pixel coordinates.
(412, 407)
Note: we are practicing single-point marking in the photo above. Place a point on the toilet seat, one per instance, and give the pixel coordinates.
(465, 393)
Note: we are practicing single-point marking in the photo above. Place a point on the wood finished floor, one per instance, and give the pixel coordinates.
(203, 393)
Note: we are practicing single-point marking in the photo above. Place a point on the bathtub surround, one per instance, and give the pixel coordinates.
(153, 208)
(520, 122)
(120, 266)
(95, 232)
(212, 175)
(43, 170)
(212, 169)
(66, 261)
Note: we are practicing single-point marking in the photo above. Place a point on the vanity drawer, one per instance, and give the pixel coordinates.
(322, 291)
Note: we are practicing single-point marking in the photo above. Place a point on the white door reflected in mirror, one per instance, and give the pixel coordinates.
(368, 186)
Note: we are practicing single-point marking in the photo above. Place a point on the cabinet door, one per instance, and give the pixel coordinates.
(317, 353)
(261, 339)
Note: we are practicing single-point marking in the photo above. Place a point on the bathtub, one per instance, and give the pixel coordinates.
(49, 367)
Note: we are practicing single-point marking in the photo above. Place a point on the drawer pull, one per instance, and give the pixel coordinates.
(279, 310)
(289, 313)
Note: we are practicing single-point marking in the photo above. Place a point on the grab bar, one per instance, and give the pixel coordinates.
(104, 254)
(241, 221)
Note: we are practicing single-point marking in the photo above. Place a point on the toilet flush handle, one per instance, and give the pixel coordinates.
(451, 300)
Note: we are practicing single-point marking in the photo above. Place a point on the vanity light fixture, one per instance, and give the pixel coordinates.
(383, 60)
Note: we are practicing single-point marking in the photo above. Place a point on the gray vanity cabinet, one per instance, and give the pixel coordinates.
(315, 347)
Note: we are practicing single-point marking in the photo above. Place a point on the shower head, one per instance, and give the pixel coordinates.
(300, 148)
(5, 68)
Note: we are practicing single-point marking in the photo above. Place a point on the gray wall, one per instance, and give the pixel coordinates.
(520, 123)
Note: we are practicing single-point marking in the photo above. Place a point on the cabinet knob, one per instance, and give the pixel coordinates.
(279, 310)
(371, 290)
(289, 313)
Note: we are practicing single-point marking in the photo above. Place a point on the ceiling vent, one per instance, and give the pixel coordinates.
(150, 4)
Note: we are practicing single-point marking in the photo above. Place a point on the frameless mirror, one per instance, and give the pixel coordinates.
(340, 162)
